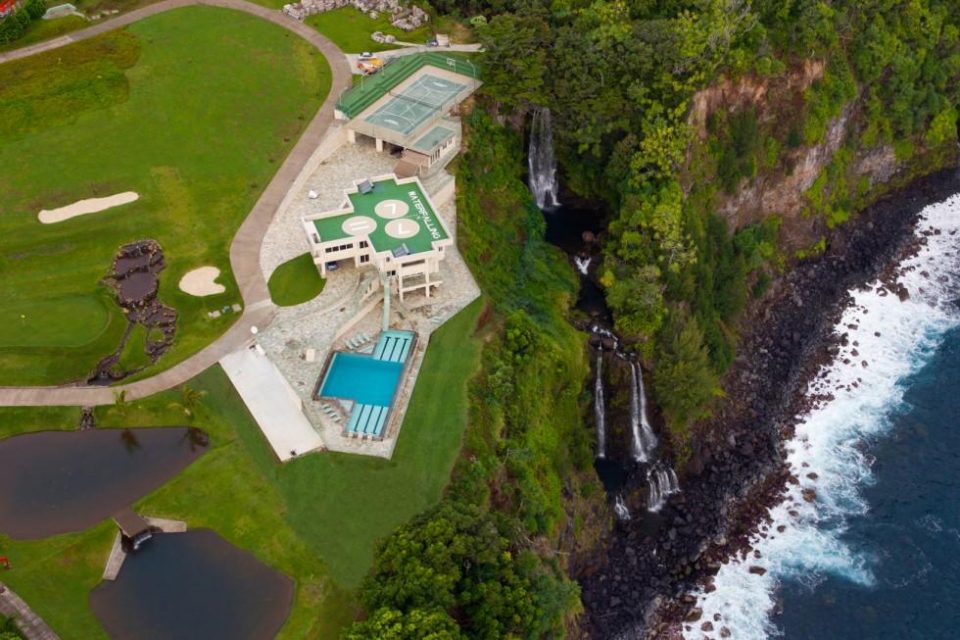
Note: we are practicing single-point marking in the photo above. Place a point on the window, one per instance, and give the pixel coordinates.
(364, 259)
(364, 244)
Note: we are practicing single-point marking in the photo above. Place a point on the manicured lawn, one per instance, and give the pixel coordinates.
(350, 30)
(342, 504)
(30, 323)
(231, 489)
(195, 110)
(315, 518)
(295, 282)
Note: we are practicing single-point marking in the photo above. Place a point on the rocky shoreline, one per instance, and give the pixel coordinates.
(637, 587)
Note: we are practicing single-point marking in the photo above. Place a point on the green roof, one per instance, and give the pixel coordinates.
(402, 204)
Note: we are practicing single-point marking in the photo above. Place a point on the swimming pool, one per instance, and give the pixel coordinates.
(370, 381)
(360, 378)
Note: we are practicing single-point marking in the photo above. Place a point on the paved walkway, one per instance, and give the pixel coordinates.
(245, 249)
(30, 624)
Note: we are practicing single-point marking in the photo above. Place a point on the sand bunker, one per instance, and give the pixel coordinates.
(83, 207)
(200, 282)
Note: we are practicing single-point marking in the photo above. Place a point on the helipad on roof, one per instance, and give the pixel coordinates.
(393, 216)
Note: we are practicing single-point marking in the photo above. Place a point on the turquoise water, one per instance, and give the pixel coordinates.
(363, 379)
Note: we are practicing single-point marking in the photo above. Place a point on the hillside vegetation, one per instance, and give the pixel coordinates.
(865, 90)
(621, 79)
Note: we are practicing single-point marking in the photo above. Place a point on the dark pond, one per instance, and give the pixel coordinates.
(193, 586)
(53, 482)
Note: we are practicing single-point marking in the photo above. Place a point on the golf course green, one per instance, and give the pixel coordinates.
(195, 110)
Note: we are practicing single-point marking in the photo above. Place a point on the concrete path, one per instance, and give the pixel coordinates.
(29, 623)
(245, 249)
(272, 402)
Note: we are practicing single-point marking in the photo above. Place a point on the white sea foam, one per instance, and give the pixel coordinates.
(829, 440)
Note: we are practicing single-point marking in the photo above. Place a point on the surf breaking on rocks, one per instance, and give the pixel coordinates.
(887, 333)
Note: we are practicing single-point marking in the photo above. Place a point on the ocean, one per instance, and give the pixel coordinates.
(867, 543)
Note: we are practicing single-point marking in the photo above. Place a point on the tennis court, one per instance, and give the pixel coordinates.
(411, 106)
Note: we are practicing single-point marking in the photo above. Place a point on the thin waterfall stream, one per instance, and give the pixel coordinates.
(541, 161)
(626, 444)
(600, 409)
(644, 440)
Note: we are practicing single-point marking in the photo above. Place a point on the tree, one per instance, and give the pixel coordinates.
(417, 624)
(683, 379)
(637, 300)
(514, 61)
(189, 400)
(120, 403)
(451, 559)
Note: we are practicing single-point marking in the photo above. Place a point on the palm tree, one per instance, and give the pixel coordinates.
(189, 400)
(120, 402)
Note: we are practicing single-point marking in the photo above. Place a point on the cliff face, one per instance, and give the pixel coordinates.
(793, 185)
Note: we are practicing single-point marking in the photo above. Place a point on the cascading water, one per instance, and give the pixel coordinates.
(583, 264)
(663, 483)
(644, 441)
(541, 163)
(620, 508)
(599, 408)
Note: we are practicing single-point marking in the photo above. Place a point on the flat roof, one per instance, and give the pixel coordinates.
(391, 215)
(416, 103)
(432, 139)
(397, 69)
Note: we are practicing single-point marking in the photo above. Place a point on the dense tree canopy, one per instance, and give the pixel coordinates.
(620, 77)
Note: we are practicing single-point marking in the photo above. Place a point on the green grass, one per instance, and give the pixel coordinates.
(342, 504)
(134, 354)
(295, 282)
(194, 109)
(30, 323)
(350, 29)
(315, 518)
(40, 30)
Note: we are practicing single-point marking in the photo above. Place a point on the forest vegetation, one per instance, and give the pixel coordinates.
(620, 79)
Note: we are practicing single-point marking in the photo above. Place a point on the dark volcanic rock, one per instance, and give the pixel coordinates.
(737, 465)
(135, 281)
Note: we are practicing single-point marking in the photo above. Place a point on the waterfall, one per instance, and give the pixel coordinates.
(582, 264)
(662, 483)
(600, 409)
(620, 508)
(644, 441)
(541, 163)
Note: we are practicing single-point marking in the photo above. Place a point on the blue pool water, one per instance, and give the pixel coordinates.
(363, 379)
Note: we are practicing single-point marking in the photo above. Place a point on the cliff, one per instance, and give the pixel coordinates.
(812, 180)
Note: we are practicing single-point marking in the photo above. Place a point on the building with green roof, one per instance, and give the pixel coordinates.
(388, 223)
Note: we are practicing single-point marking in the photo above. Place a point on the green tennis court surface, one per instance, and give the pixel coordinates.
(409, 108)
(391, 216)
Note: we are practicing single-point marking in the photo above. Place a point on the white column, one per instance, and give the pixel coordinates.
(379, 144)
(351, 136)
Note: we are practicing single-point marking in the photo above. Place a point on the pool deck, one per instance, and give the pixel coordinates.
(273, 403)
(351, 301)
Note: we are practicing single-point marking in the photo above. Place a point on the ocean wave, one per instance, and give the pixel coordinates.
(887, 340)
